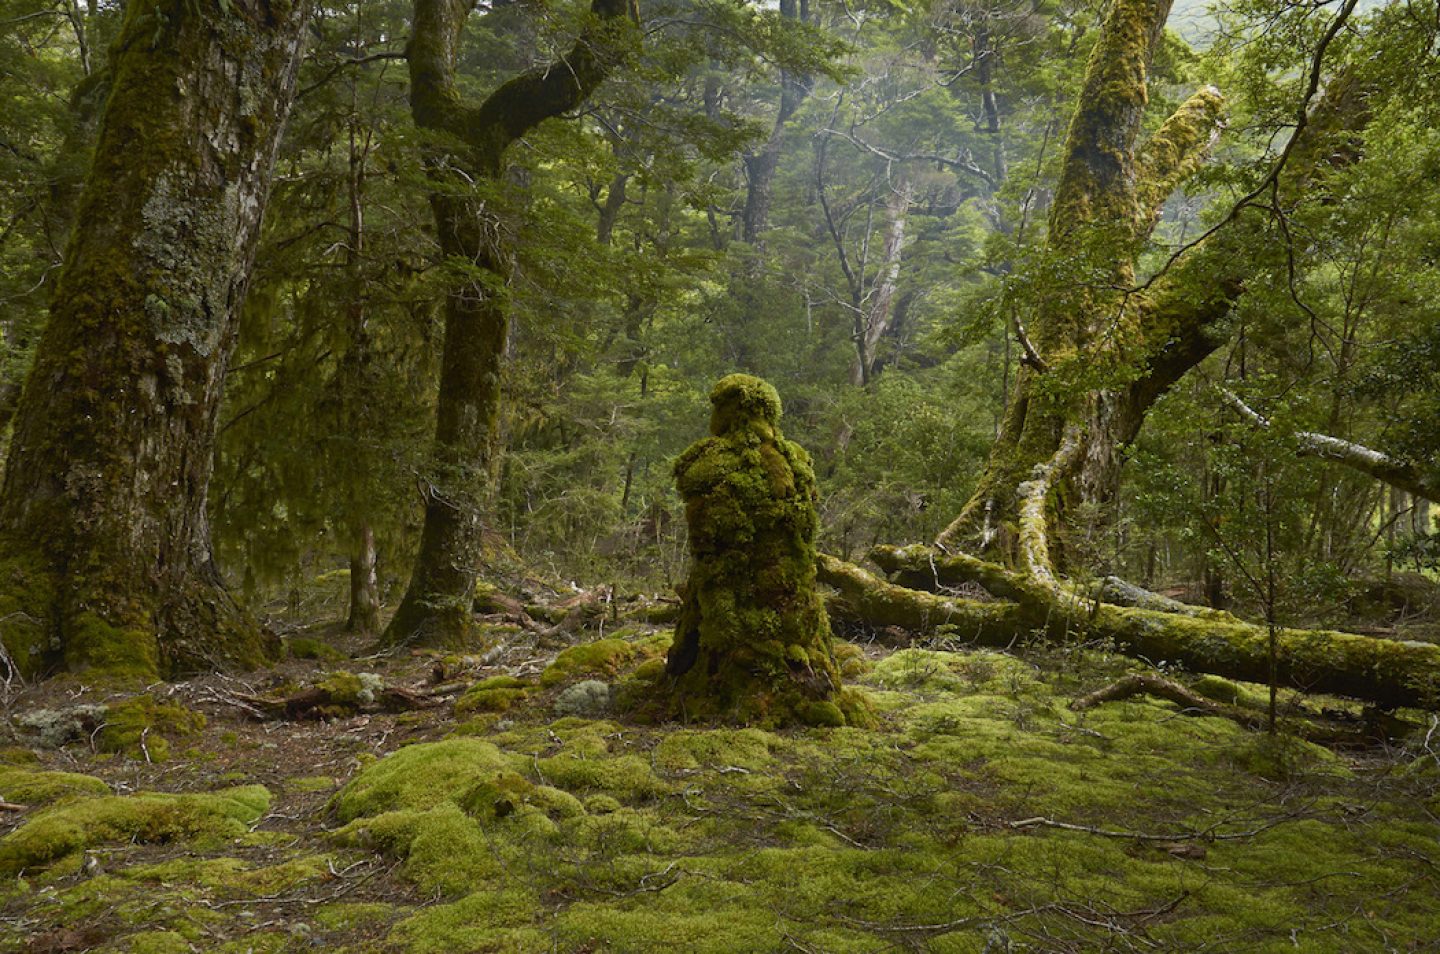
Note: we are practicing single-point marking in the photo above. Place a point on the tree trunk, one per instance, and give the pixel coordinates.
(435, 610)
(364, 585)
(761, 166)
(875, 320)
(107, 563)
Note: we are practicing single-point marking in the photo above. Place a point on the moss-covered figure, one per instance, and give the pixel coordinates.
(753, 642)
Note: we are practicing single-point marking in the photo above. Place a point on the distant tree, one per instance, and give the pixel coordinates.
(106, 550)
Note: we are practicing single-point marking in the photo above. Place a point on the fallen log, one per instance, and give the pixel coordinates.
(919, 567)
(1387, 672)
(866, 599)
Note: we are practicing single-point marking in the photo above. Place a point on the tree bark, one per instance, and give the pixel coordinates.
(875, 320)
(364, 584)
(107, 563)
(436, 607)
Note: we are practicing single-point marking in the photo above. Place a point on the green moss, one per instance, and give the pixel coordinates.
(604, 657)
(27, 601)
(687, 751)
(626, 777)
(128, 653)
(443, 848)
(233, 877)
(1230, 693)
(32, 788)
(157, 942)
(821, 713)
(142, 727)
(350, 690)
(423, 776)
(498, 920)
(753, 643)
(310, 783)
(308, 647)
(353, 915)
(64, 830)
(18, 755)
(496, 694)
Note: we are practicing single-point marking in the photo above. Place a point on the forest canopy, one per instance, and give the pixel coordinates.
(356, 361)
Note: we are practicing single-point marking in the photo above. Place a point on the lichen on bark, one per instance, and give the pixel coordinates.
(753, 642)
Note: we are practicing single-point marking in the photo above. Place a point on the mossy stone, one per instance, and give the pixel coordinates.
(143, 727)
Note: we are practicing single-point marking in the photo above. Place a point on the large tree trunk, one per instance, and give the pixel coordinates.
(436, 607)
(107, 563)
(1136, 343)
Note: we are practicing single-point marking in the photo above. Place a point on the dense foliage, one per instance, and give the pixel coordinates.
(849, 200)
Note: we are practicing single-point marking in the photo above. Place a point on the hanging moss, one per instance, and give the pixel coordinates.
(753, 643)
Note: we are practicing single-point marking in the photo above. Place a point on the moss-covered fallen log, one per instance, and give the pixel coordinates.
(867, 599)
(1384, 671)
(919, 567)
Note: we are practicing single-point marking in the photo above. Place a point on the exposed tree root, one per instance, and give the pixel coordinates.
(1148, 684)
(1373, 727)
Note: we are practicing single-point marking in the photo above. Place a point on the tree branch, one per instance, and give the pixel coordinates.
(1388, 470)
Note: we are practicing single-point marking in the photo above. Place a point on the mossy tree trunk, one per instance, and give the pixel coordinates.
(1099, 351)
(106, 560)
(436, 607)
(1099, 348)
(753, 641)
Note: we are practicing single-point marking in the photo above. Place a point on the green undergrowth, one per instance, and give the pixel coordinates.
(940, 828)
(32, 788)
(56, 836)
(978, 812)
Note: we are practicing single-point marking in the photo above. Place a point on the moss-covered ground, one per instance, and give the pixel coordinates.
(978, 813)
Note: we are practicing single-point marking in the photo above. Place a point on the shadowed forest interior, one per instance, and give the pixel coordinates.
(796, 475)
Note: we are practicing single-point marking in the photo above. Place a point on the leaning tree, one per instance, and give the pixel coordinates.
(1100, 347)
(105, 561)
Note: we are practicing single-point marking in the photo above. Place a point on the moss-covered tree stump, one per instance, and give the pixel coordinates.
(753, 642)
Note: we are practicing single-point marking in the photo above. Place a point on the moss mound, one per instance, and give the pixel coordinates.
(61, 832)
(143, 727)
(604, 657)
(420, 777)
(496, 694)
(32, 788)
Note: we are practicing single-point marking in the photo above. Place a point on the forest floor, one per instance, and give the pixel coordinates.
(511, 812)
